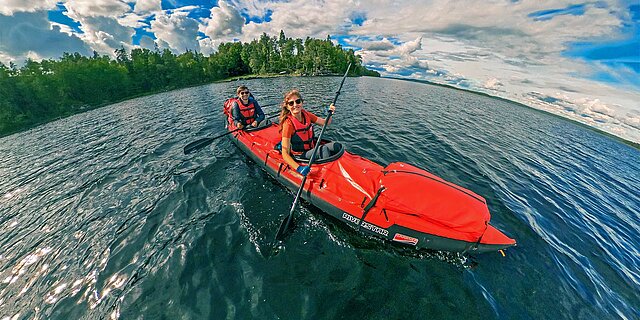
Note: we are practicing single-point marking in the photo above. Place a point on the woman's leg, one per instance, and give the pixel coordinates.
(324, 151)
(334, 147)
(307, 154)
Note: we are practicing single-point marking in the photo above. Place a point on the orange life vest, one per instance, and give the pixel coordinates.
(247, 112)
(302, 139)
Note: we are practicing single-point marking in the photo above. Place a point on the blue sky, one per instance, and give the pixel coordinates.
(546, 54)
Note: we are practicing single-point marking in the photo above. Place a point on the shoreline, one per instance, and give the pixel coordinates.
(267, 76)
(89, 108)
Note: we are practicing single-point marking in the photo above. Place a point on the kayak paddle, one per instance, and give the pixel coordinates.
(201, 143)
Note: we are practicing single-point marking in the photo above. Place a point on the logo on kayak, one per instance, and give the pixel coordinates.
(350, 218)
(365, 225)
(405, 239)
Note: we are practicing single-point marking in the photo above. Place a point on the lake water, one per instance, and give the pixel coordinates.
(102, 216)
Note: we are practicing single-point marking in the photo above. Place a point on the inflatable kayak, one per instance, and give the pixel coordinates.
(399, 202)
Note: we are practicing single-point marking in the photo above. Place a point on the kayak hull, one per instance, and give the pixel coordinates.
(345, 189)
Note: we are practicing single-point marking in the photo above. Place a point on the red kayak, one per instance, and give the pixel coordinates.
(399, 202)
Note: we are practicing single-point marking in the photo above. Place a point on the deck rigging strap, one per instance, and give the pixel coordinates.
(370, 205)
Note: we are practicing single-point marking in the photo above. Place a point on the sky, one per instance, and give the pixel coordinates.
(580, 60)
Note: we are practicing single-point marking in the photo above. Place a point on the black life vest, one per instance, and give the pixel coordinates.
(302, 139)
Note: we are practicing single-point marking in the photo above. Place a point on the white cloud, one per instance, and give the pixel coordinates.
(633, 121)
(225, 21)
(105, 23)
(147, 6)
(298, 18)
(9, 7)
(597, 106)
(410, 47)
(105, 34)
(391, 68)
(79, 9)
(207, 46)
(383, 45)
(147, 42)
(133, 20)
(176, 31)
(493, 84)
(31, 35)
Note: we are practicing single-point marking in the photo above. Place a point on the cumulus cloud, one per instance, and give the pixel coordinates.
(105, 34)
(146, 6)
(133, 20)
(31, 35)
(298, 18)
(493, 84)
(104, 23)
(596, 106)
(224, 21)
(9, 7)
(79, 9)
(147, 42)
(633, 121)
(383, 45)
(410, 46)
(393, 58)
(176, 31)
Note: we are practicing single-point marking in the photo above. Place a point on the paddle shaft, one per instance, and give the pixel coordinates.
(285, 223)
(199, 144)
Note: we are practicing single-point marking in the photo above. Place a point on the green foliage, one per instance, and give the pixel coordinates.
(46, 90)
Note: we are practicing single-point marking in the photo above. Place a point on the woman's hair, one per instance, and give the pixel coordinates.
(284, 111)
(241, 88)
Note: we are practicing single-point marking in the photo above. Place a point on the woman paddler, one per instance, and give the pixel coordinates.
(297, 132)
(245, 109)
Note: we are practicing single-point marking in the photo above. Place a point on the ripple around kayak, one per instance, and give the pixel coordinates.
(102, 215)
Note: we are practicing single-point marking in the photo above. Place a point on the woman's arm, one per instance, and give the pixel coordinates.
(286, 153)
(321, 121)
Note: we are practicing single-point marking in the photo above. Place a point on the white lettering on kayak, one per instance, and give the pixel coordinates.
(375, 229)
(350, 218)
(365, 225)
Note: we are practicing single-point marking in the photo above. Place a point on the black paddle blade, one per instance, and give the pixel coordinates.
(197, 145)
(284, 228)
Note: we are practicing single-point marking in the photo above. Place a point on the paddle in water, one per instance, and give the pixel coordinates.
(284, 226)
(201, 143)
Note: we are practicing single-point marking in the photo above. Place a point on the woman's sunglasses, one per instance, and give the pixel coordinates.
(244, 92)
(292, 102)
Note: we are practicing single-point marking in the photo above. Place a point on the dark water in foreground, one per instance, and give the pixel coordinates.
(102, 216)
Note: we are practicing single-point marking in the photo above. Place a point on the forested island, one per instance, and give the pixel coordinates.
(42, 91)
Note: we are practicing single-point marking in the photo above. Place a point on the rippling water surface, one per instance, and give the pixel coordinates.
(102, 216)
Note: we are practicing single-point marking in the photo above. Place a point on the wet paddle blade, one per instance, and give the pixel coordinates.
(197, 145)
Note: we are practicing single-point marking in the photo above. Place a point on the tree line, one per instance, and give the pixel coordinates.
(41, 91)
